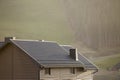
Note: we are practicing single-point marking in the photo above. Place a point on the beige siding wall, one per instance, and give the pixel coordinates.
(16, 65)
(65, 74)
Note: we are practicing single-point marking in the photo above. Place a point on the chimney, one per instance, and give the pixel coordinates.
(7, 39)
(74, 54)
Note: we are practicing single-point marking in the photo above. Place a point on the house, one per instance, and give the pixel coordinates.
(42, 60)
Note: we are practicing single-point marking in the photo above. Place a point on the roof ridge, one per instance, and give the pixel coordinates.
(66, 45)
(23, 40)
(33, 40)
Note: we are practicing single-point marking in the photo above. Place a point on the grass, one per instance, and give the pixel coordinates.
(113, 76)
(107, 62)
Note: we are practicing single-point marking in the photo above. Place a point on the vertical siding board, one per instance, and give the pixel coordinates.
(24, 66)
(15, 65)
(6, 63)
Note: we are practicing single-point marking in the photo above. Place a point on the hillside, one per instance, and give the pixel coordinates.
(93, 23)
(107, 69)
(107, 62)
(82, 23)
(96, 22)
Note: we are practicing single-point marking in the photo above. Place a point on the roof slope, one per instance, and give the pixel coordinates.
(51, 54)
(87, 63)
(48, 54)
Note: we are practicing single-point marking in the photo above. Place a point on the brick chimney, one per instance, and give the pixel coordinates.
(7, 39)
(74, 54)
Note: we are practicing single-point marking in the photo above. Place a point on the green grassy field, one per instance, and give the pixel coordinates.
(113, 76)
(107, 61)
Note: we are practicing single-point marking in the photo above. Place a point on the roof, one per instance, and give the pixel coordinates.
(87, 63)
(51, 54)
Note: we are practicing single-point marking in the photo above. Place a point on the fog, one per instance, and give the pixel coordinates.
(96, 22)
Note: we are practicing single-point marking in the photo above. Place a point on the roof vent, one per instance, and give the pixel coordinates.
(7, 39)
(42, 40)
(74, 54)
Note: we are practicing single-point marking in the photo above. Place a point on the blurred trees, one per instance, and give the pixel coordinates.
(96, 22)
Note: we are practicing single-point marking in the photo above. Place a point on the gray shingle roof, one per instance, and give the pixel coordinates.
(51, 54)
(48, 54)
(87, 63)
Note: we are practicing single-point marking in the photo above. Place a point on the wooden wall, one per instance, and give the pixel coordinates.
(15, 65)
(6, 63)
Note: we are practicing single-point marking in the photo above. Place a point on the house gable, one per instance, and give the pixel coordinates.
(16, 64)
